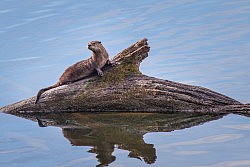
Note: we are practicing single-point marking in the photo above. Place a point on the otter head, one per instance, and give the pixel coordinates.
(94, 46)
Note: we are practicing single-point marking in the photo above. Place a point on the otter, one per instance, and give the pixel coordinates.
(82, 68)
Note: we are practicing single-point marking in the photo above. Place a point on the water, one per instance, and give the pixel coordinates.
(202, 43)
(40, 39)
(125, 139)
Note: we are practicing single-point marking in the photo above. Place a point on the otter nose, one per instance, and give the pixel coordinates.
(89, 44)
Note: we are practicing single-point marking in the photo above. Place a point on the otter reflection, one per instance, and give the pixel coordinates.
(105, 132)
(104, 141)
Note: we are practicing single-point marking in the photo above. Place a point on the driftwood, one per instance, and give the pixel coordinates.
(124, 88)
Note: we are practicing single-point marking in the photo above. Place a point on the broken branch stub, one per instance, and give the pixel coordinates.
(133, 54)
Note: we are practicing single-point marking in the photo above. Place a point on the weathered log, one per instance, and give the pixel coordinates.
(124, 88)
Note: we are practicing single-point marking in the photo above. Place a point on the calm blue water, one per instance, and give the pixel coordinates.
(204, 43)
(224, 142)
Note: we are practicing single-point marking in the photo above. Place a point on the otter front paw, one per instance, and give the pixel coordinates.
(99, 72)
(115, 63)
(112, 64)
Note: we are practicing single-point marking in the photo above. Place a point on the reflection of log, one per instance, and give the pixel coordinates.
(124, 130)
(124, 88)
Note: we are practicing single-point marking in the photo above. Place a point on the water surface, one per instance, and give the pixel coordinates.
(125, 139)
(204, 43)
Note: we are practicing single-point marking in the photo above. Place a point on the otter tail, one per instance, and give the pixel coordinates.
(45, 89)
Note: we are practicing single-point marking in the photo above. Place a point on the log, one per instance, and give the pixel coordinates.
(124, 88)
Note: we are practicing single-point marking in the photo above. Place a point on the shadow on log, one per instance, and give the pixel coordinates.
(104, 132)
(124, 88)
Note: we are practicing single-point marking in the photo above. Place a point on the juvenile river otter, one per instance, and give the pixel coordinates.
(82, 68)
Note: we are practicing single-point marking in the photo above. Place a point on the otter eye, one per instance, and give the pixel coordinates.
(99, 41)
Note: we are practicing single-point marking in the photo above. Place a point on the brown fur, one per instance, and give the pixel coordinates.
(82, 68)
